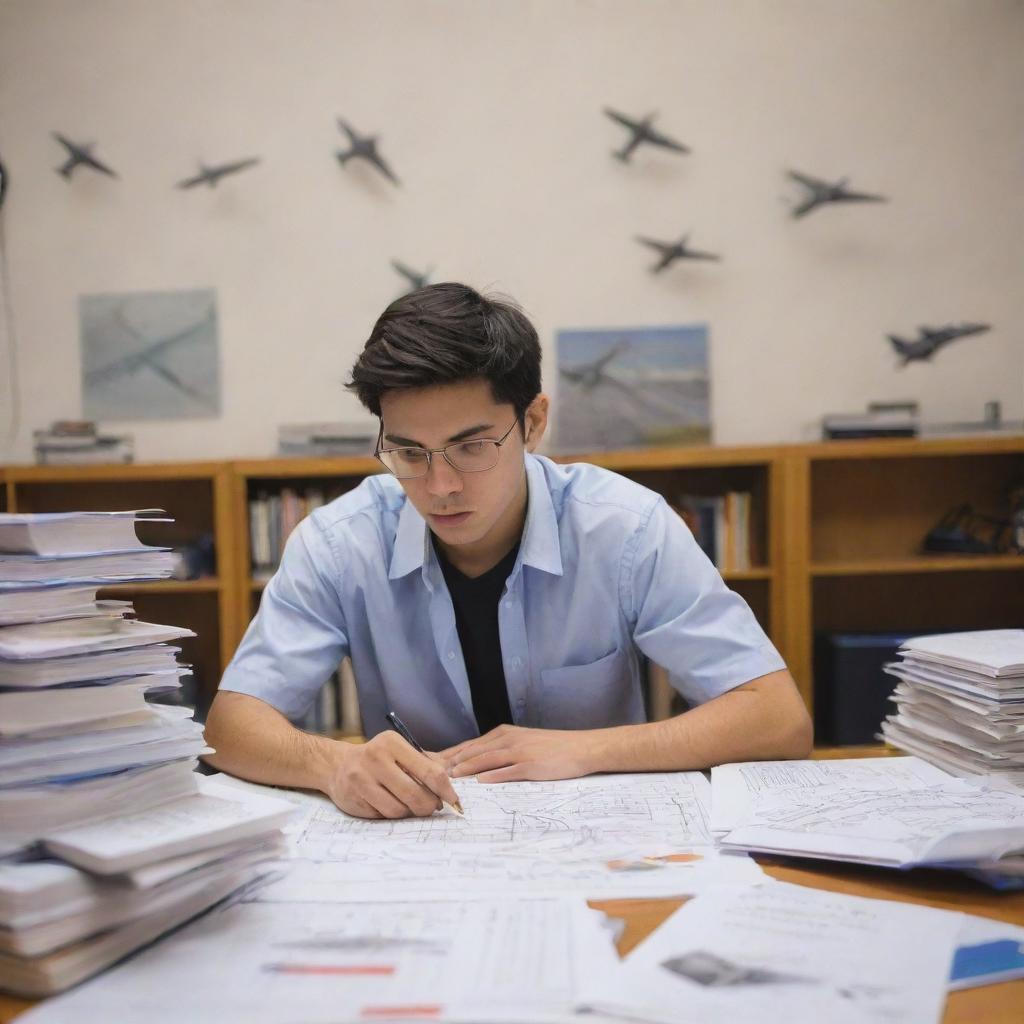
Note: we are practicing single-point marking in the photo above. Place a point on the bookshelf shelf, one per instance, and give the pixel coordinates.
(910, 566)
(757, 572)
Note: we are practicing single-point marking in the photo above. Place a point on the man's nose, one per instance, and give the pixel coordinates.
(442, 477)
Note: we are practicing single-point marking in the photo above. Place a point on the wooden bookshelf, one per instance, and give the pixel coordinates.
(197, 496)
(836, 530)
(857, 514)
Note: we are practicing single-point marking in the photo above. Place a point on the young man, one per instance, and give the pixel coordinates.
(497, 602)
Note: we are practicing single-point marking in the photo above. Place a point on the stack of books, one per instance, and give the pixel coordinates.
(78, 442)
(960, 702)
(721, 527)
(882, 419)
(109, 836)
(272, 517)
(323, 440)
(335, 712)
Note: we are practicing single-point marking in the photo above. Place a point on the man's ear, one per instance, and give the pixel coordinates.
(536, 421)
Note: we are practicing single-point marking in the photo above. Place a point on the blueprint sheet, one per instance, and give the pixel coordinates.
(261, 963)
(602, 836)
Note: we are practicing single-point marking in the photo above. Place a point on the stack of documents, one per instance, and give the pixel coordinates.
(108, 839)
(960, 702)
(893, 812)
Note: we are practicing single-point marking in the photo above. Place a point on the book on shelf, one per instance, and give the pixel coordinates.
(325, 440)
(78, 442)
(336, 707)
(272, 517)
(721, 526)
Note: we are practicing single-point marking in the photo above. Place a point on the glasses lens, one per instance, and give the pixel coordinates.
(473, 456)
(405, 462)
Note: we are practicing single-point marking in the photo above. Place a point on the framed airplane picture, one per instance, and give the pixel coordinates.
(150, 355)
(632, 387)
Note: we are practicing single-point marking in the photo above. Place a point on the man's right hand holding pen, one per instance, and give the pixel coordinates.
(386, 777)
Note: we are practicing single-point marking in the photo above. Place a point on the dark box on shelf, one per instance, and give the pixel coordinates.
(851, 690)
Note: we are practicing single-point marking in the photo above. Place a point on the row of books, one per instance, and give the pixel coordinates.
(721, 526)
(110, 838)
(336, 708)
(272, 517)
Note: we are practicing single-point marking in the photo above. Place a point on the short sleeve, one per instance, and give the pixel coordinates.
(686, 619)
(298, 636)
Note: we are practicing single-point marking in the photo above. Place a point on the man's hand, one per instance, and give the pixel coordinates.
(511, 753)
(386, 778)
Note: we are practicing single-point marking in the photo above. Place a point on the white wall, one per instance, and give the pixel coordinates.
(490, 112)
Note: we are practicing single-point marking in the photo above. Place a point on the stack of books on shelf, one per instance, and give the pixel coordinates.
(272, 517)
(323, 440)
(78, 443)
(109, 837)
(960, 702)
(882, 419)
(336, 708)
(721, 526)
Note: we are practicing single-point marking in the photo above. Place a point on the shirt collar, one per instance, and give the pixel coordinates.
(539, 547)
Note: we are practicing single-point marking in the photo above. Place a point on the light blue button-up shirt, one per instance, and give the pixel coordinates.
(606, 571)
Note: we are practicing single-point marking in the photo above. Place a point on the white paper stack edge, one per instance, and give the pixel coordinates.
(960, 702)
(109, 836)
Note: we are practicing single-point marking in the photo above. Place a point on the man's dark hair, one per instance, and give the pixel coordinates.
(446, 333)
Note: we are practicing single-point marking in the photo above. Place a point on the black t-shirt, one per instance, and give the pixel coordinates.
(476, 619)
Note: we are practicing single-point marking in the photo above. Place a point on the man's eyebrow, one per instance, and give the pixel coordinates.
(408, 442)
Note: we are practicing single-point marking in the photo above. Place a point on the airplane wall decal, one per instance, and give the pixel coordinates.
(672, 251)
(931, 339)
(79, 155)
(642, 131)
(363, 147)
(211, 175)
(822, 192)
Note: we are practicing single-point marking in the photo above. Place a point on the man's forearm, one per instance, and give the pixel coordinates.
(255, 741)
(764, 719)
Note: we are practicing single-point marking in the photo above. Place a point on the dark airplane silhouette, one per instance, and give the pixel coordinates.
(589, 375)
(672, 251)
(642, 131)
(416, 281)
(211, 175)
(365, 147)
(79, 154)
(931, 339)
(822, 192)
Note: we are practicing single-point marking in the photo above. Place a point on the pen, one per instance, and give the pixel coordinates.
(400, 727)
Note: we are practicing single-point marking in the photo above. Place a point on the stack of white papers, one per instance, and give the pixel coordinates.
(79, 547)
(893, 812)
(123, 880)
(47, 604)
(960, 702)
(94, 777)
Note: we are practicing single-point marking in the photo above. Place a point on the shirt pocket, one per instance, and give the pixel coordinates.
(590, 696)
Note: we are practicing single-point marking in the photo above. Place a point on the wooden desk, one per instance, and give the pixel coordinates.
(991, 1004)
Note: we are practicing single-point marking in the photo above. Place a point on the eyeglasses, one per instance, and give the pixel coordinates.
(474, 456)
